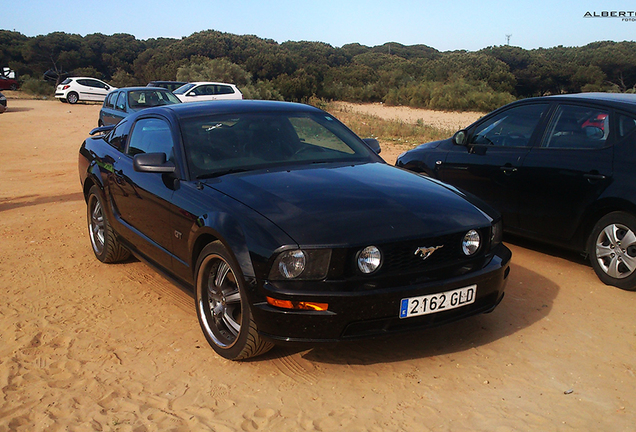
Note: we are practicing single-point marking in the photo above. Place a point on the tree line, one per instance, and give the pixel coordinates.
(415, 75)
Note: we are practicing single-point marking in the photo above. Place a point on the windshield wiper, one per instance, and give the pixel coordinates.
(221, 173)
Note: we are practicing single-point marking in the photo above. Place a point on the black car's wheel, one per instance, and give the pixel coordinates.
(612, 250)
(222, 306)
(72, 98)
(106, 247)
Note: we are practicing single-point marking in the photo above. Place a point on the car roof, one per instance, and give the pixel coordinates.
(141, 88)
(229, 107)
(616, 100)
(209, 82)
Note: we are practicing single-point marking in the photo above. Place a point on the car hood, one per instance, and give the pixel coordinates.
(352, 204)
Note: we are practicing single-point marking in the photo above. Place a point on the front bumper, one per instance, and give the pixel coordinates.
(357, 314)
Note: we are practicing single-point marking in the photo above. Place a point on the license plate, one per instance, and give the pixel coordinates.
(439, 302)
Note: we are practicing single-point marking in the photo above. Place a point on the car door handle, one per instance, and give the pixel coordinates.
(590, 176)
(508, 169)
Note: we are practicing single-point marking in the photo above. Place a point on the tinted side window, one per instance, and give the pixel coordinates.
(221, 89)
(121, 101)
(95, 83)
(83, 82)
(511, 128)
(109, 102)
(118, 136)
(626, 125)
(151, 135)
(577, 127)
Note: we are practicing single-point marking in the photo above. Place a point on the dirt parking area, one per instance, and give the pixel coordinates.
(86, 346)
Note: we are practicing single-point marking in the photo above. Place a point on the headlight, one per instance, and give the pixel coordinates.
(471, 242)
(304, 264)
(291, 263)
(369, 259)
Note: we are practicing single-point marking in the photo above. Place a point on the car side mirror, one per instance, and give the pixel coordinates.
(460, 138)
(153, 162)
(373, 144)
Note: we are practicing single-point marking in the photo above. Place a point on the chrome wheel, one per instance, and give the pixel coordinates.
(106, 245)
(616, 251)
(96, 225)
(223, 307)
(222, 302)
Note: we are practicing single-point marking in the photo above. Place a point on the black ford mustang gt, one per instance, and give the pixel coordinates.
(286, 226)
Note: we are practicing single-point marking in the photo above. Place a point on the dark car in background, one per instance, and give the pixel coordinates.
(3, 103)
(170, 85)
(286, 226)
(124, 101)
(560, 169)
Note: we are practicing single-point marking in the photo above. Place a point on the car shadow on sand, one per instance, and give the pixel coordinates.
(529, 297)
(11, 109)
(33, 200)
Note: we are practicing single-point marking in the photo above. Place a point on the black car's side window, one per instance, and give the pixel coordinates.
(626, 125)
(511, 128)
(151, 135)
(577, 127)
(117, 137)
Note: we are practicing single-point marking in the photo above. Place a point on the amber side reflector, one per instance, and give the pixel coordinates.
(298, 305)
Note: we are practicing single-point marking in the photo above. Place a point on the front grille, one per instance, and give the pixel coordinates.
(399, 258)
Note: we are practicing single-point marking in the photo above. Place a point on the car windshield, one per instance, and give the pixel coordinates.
(216, 145)
(150, 98)
(184, 88)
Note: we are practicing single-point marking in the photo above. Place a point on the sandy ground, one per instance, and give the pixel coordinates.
(91, 347)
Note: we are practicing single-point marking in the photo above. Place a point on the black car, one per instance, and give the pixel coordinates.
(170, 85)
(3, 103)
(121, 102)
(560, 169)
(286, 226)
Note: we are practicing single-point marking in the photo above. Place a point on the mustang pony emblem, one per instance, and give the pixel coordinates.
(426, 252)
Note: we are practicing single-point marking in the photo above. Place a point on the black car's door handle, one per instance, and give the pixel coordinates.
(591, 177)
(508, 169)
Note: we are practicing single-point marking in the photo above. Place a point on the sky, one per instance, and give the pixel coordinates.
(443, 25)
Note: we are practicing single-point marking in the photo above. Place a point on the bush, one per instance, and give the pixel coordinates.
(458, 95)
(36, 87)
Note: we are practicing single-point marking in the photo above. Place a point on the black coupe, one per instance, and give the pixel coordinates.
(286, 226)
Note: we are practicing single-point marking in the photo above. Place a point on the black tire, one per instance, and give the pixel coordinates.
(72, 98)
(612, 250)
(222, 306)
(100, 123)
(105, 245)
(14, 87)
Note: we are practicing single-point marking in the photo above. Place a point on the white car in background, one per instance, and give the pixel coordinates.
(75, 89)
(205, 91)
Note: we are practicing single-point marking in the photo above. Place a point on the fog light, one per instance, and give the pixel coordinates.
(369, 259)
(471, 242)
(297, 305)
